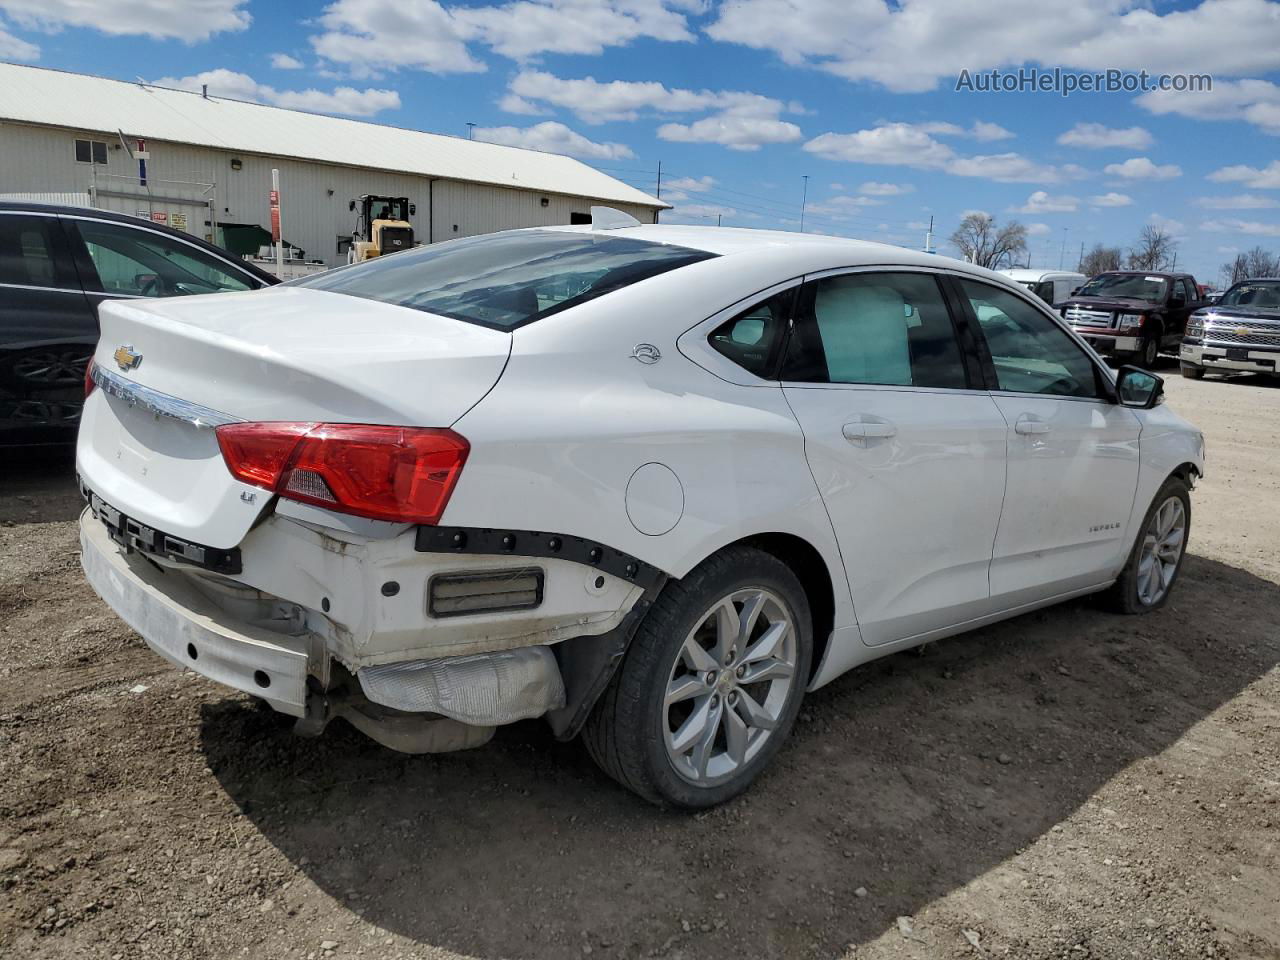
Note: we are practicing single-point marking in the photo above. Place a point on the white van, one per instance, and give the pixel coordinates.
(1051, 286)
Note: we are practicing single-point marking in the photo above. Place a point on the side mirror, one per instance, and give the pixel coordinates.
(351, 205)
(1074, 292)
(1138, 388)
(413, 209)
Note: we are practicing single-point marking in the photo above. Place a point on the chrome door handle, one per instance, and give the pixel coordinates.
(859, 431)
(1029, 426)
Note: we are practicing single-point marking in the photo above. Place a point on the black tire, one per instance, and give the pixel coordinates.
(1123, 595)
(1192, 372)
(625, 733)
(1149, 352)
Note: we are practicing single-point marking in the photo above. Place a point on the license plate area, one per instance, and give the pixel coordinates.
(1237, 353)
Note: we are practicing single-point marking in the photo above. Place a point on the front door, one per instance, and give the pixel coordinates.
(906, 449)
(1072, 454)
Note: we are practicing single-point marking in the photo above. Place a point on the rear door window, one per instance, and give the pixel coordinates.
(753, 338)
(32, 253)
(506, 280)
(875, 328)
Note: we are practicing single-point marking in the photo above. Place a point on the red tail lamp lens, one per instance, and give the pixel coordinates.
(400, 474)
(89, 382)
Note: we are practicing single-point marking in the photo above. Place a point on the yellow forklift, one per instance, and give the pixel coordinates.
(382, 227)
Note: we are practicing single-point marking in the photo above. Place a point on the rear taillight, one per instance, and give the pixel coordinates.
(400, 474)
(89, 383)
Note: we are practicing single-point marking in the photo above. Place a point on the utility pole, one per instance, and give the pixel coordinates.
(471, 130)
(928, 237)
(1062, 255)
(718, 219)
(804, 197)
(659, 191)
(1081, 260)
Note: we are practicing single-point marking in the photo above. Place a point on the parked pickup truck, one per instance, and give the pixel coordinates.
(1133, 315)
(1239, 332)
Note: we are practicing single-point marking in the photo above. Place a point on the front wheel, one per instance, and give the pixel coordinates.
(1192, 371)
(1149, 352)
(711, 684)
(1156, 559)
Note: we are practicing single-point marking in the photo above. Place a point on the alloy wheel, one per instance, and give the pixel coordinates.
(1161, 551)
(52, 367)
(729, 685)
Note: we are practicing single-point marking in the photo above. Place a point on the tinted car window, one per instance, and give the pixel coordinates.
(28, 253)
(1031, 353)
(1265, 293)
(505, 280)
(1134, 286)
(146, 264)
(875, 328)
(752, 338)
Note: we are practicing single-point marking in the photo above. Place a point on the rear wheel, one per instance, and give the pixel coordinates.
(1156, 559)
(711, 684)
(1192, 372)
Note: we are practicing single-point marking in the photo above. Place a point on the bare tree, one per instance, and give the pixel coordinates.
(980, 241)
(1100, 259)
(1153, 251)
(1247, 266)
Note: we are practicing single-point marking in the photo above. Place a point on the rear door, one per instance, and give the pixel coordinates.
(905, 444)
(47, 331)
(1072, 453)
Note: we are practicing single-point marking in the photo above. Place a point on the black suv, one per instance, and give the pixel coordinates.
(56, 265)
(1134, 315)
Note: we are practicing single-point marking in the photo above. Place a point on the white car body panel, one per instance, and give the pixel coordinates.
(955, 521)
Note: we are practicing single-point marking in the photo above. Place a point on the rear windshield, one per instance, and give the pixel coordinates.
(1266, 294)
(504, 280)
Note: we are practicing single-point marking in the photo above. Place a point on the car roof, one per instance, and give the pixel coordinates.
(1028, 273)
(731, 241)
(68, 210)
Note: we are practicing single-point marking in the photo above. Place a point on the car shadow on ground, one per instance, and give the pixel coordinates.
(38, 485)
(908, 777)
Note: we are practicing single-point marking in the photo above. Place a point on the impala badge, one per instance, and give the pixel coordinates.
(646, 353)
(126, 359)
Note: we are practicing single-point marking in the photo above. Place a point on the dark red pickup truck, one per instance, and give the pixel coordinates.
(1134, 315)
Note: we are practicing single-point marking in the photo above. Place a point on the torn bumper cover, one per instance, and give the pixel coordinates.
(485, 690)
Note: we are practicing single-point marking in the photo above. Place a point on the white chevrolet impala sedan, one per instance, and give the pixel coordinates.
(651, 483)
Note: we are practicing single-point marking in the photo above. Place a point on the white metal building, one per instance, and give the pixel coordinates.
(209, 160)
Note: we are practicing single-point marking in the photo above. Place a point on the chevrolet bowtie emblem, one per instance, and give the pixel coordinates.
(1243, 331)
(126, 359)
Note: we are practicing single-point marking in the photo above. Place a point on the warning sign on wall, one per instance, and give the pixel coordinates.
(159, 216)
(178, 221)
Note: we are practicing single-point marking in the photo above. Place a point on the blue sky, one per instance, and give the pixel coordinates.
(740, 100)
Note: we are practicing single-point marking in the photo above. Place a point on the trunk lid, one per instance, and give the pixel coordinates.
(147, 445)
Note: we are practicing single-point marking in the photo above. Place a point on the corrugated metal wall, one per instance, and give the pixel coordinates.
(314, 196)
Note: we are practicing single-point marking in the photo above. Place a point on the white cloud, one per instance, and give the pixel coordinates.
(1038, 229)
(1095, 136)
(910, 145)
(371, 35)
(191, 20)
(1041, 202)
(1141, 168)
(873, 188)
(15, 48)
(908, 46)
(347, 101)
(692, 184)
(552, 137)
(1266, 178)
(1243, 201)
(510, 103)
(1175, 227)
(733, 130)
(1111, 200)
(981, 130)
(1253, 101)
(842, 207)
(282, 61)
(1250, 227)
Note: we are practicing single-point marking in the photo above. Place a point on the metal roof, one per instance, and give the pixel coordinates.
(77, 101)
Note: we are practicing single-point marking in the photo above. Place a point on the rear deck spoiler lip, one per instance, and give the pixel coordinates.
(161, 404)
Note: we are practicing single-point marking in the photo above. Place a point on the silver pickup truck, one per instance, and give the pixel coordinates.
(1240, 332)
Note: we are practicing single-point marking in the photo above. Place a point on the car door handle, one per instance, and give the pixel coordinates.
(859, 431)
(1029, 426)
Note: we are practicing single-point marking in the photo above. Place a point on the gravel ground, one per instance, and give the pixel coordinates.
(1067, 784)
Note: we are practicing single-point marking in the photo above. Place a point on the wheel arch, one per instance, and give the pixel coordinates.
(807, 563)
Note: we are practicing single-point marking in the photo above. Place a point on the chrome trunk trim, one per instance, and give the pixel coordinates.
(161, 404)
